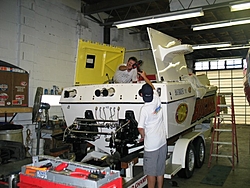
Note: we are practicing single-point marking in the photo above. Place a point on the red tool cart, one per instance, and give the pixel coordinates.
(53, 172)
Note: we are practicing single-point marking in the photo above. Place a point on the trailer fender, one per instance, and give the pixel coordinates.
(203, 138)
(179, 153)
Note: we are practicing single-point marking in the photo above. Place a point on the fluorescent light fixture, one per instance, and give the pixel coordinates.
(241, 6)
(211, 45)
(227, 23)
(235, 47)
(190, 13)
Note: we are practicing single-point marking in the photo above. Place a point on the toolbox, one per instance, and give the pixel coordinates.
(48, 172)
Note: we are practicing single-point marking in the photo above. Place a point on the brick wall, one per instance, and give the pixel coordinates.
(41, 37)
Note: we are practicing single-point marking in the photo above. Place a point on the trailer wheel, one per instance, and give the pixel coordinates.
(188, 171)
(199, 146)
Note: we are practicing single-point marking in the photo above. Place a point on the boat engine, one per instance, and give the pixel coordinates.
(116, 135)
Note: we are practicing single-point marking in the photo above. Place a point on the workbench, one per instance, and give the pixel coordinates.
(14, 111)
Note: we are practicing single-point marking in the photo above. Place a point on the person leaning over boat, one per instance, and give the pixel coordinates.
(126, 73)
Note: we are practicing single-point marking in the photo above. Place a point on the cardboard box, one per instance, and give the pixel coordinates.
(14, 86)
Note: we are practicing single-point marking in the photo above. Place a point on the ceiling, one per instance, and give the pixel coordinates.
(105, 12)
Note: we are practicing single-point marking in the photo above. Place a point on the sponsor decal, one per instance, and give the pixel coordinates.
(181, 113)
(9, 69)
(2, 103)
(3, 87)
(23, 83)
(4, 68)
(180, 91)
(157, 109)
(41, 174)
(16, 102)
(4, 96)
(140, 183)
(20, 88)
(19, 97)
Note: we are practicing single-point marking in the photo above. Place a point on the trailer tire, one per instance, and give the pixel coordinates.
(200, 152)
(188, 171)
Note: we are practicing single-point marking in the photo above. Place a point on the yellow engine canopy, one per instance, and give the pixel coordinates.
(95, 60)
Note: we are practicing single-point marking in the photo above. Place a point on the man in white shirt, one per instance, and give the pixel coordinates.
(126, 73)
(153, 133)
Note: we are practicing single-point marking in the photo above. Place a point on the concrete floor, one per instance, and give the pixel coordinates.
(239, 178)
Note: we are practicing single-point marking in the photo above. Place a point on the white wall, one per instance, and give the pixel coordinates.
(41, 37)
(8, 30)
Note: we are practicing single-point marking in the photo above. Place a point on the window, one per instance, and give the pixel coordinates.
(90, 61)
(234, 63)
(202, 65)
(219, 64)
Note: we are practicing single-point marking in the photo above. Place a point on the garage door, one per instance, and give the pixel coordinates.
(228, 79)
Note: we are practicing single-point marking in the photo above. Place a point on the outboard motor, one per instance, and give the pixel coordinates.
(82, 132)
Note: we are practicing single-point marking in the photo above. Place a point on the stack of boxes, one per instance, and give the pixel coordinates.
(14, 86)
